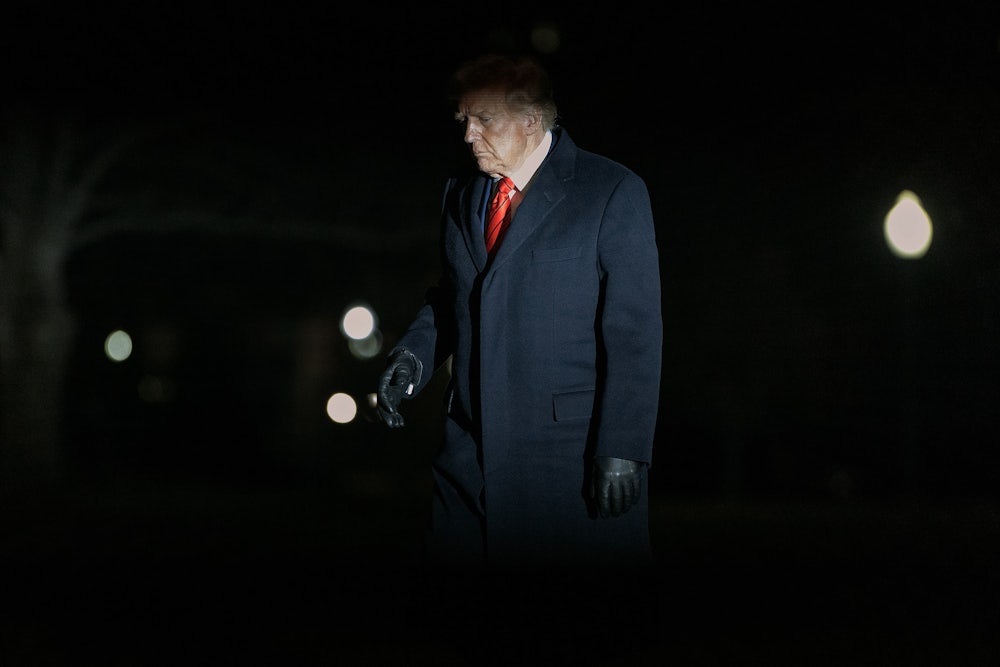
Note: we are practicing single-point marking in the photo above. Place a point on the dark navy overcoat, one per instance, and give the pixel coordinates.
(554, 350)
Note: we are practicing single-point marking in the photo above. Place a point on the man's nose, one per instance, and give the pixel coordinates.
(471, 134)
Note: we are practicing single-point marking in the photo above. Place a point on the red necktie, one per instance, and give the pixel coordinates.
(499, 214)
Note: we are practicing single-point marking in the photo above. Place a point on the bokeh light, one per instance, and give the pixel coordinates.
(358, 322)
(156, 389)
(366, 348)
(118, 346)
(908, 229)
(545, 38)
(360, 326)
(341, 408)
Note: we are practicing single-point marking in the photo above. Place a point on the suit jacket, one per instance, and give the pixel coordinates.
(555, 351)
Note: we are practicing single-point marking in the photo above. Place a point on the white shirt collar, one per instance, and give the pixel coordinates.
(522, 176)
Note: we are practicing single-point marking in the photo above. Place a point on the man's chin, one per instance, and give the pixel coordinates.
(485, 166)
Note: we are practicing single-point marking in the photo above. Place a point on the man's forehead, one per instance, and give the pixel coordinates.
(483, 102)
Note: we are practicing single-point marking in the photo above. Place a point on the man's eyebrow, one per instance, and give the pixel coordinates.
(479, 113)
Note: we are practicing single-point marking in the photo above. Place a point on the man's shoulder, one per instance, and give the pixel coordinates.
(587, 162)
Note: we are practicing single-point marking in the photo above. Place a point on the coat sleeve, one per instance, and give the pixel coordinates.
(631, 325)
(430, 336)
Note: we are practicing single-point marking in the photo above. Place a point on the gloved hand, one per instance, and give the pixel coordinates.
(401, 374)
(616, 485)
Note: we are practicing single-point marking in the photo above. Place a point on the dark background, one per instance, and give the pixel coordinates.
(826, 470)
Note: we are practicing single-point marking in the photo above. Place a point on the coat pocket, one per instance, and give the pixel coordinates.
(555, 254)
(569, 405)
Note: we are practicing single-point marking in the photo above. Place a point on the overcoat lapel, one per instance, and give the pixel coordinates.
(546, 191)
(472, 229)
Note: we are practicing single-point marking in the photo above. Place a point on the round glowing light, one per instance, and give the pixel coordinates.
(545, 38)
(358, 322)
(118, 346)
(908, 230)
(366, 348)
(341, 408)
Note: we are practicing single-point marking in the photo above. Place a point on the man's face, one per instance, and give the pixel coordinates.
(500, 140)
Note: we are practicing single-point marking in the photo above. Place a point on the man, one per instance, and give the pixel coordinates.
(554, 339)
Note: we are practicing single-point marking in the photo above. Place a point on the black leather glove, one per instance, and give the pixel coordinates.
(401, 374)
(616, 485)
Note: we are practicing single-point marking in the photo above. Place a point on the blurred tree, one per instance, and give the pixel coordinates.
(49, 171)
(70, 181)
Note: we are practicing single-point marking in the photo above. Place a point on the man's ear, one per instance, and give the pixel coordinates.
(532, 122)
